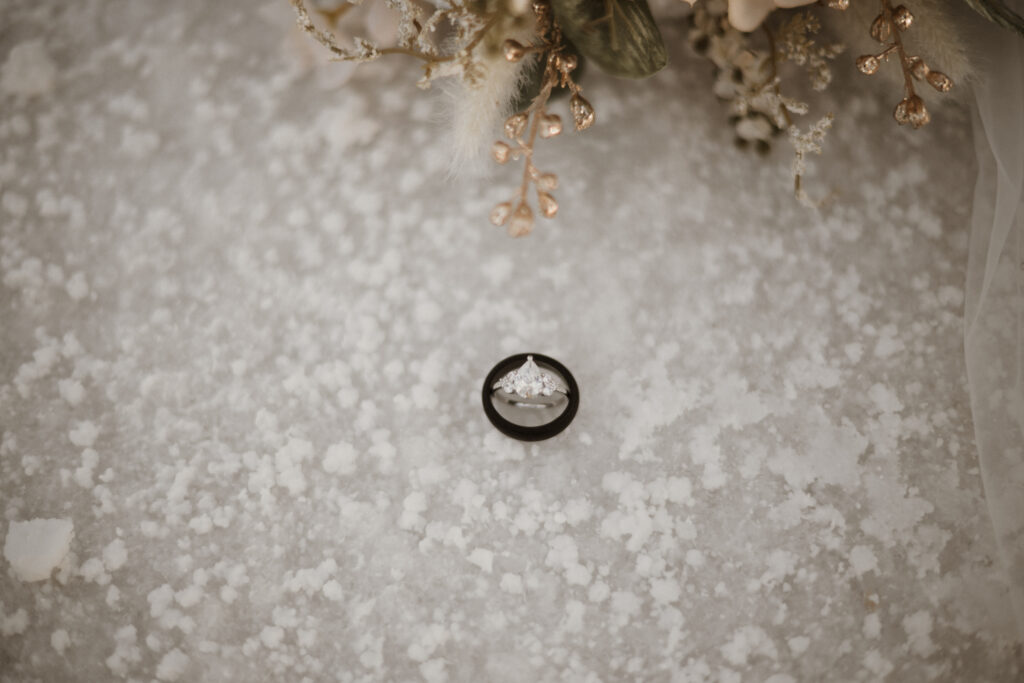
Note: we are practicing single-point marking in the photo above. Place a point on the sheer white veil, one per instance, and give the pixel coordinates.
(994, 303)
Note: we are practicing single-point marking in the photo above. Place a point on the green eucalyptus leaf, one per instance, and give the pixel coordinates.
(619, 36)
(996, 11)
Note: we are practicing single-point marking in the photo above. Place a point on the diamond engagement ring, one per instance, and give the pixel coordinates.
(530, 397)
(528, 385)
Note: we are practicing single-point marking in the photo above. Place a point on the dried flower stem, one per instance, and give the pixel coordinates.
(366, 51)
(897, 43)
(435, 58)
(773, 78)
(333, 16)
(799, 140)
(537, 111)
(889, 24)
(535, 120)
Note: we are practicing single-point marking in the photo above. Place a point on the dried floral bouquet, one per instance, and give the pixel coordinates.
(512, 57)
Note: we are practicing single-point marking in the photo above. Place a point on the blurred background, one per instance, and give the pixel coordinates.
(244, 319)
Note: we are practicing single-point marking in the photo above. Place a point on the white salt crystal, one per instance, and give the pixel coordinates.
(77, 287)
(71, 390)
(885, 399)
(189, 597)
(272, 636)
(694, 558)
(512, 583)
(626, 603)
(863, 560)
(747, 642)
(84, 434)
(172, 666)
(14, 624)
(28, 70)
(332, 590)
(798, 644)
(574, 611)
(288, 461)
(599, 592)
(434, 671)
(127, 652)
(60, 640)
(340, 458)
(412, 506)
(115, 555)
(92, 570)
(918, 627)
(35, 547)
(201, 524)
(14, 203)
(482, 558)
(872, 626)
(159, 600)
(665, 591)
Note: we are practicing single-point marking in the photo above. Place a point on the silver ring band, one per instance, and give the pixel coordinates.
(527, 401)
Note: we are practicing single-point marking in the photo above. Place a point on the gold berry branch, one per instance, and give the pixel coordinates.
(523, 127)
(889, 25)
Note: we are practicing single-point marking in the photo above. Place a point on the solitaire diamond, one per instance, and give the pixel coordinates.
(529, 381)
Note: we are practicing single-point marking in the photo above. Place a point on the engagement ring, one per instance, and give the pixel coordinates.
(530, 397)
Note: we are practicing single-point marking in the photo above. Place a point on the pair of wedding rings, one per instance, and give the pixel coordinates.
(530, 397)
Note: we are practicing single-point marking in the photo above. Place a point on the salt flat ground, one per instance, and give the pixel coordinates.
(245, 318)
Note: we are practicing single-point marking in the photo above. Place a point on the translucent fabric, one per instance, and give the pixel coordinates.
(994, 309)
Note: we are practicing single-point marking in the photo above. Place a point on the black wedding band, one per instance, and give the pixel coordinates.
(525, 432)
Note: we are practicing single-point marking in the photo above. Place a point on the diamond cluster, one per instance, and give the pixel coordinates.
(529, 381)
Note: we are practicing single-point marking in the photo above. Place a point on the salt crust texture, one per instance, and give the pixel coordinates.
(35, 548)
(244, 324)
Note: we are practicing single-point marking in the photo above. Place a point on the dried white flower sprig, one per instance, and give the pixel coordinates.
(748, 79)
(418, 37)
(513, 56)
(804, 143)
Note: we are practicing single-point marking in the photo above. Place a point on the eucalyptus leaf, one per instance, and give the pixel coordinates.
(619, 36)
(996, 11)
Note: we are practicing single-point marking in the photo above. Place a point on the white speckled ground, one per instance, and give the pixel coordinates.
(243, 324)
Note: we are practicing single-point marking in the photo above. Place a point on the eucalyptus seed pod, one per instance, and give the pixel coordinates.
(522, 221)
(513, 50)
(917, 67)
(568, 62)
(550, 126)
(582, 112)
(900, 112)
(547, 203)
(501, 152)
(547, 182)
(515, 125)
(868, 64)
(500, 213)
(902, 17)
(917, 113)
(939, 81)
(880, 29)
